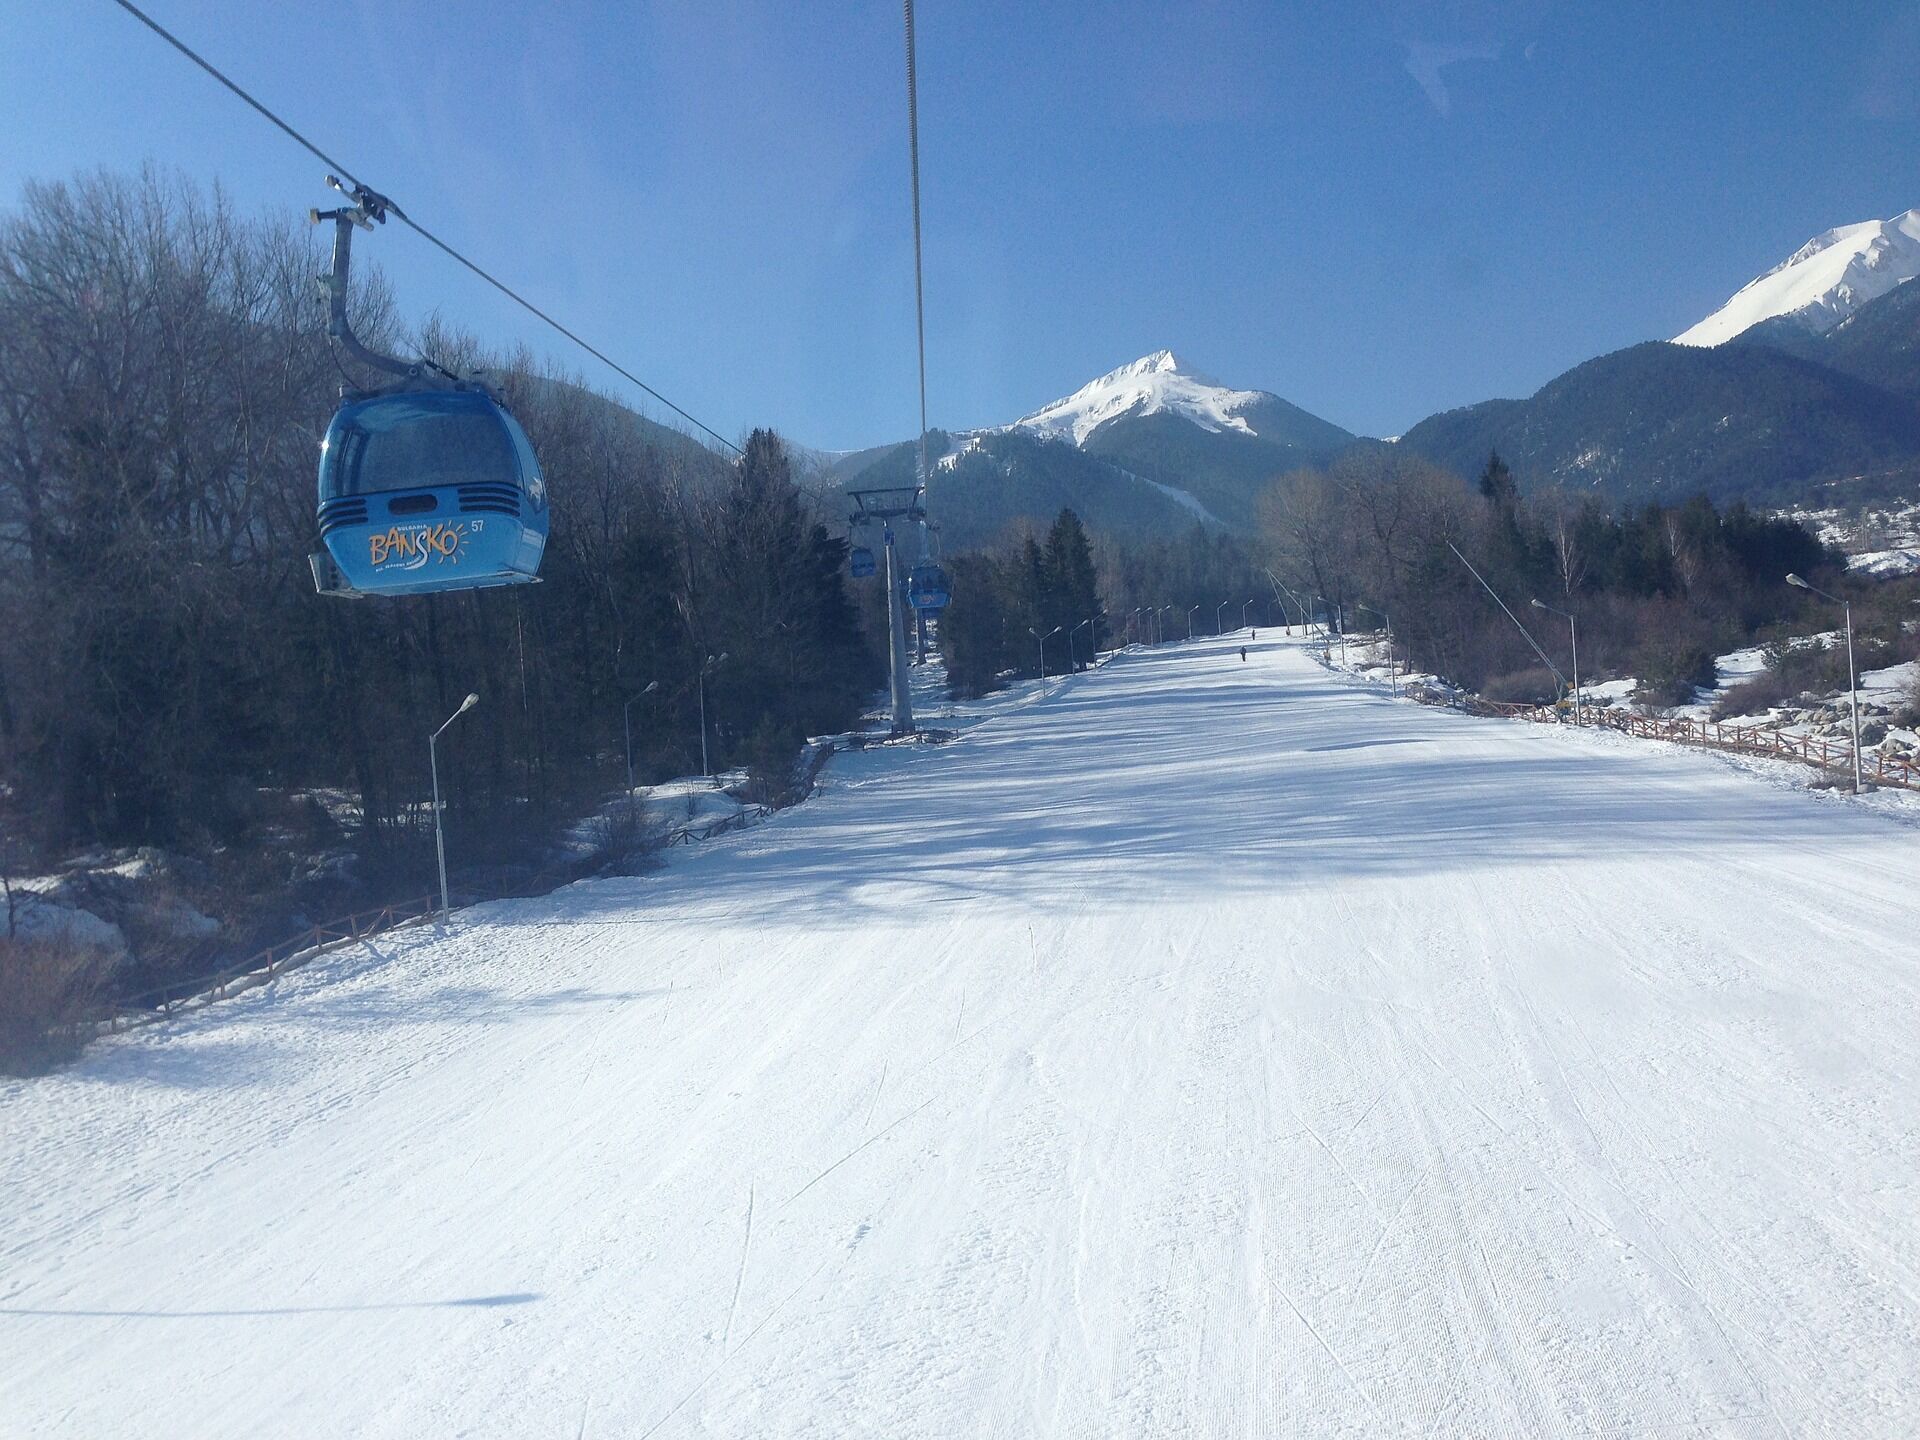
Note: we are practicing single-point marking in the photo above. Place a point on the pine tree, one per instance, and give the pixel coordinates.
(1497, 484)
(1073, 590)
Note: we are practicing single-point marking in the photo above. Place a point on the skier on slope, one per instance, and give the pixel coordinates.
(1243, 654)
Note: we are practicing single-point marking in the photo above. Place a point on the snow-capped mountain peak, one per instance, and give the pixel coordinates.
(1153, 383)
(1822, 282)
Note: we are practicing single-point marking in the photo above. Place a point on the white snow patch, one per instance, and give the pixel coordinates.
(1186, 499)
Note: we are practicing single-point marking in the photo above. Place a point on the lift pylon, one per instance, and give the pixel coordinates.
(883, 507)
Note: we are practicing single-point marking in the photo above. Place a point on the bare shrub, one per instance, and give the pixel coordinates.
(622, 843)
(773, 765)
(1522, 687)
(49, 996)
(1756, 696)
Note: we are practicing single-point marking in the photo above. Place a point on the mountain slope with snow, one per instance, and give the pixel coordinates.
(1199, 1047)
(1159, 384)
(982, 482)
(1822, 282)
(1147, 386)
(1160, 420)
(1153, 424)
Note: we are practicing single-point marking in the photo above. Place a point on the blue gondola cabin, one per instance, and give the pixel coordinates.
(428, 490)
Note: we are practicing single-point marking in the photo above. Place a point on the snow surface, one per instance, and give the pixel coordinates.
(1148, 386)
(1822, 282)
(1193, 1047)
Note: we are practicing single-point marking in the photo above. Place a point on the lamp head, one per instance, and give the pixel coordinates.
(652, 685)
(1536, 604)
(467, 704)
(1796, 580)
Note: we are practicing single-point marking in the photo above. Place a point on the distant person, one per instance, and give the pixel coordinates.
(1253, 634)
(1243, 654)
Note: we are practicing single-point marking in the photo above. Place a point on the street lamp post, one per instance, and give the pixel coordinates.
(1043, 646)
(1073, 659)
(1853, 679)
(1218, 623)
(1393, 683)
(1299, 604)
(1338, 615)
(1243, 614)
(707, 667)
(1573, 631)
(626, 719)
(433, 764)
(1190, 614)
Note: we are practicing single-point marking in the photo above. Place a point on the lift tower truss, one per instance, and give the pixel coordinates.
(883, 507)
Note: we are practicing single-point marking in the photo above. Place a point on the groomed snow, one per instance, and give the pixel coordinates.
(1823, 282)
(1147, 386)
(1205, 1047)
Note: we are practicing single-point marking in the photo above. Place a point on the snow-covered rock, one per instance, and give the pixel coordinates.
(37, 918)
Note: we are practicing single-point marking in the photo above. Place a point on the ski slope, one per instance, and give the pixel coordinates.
(1200, 1048)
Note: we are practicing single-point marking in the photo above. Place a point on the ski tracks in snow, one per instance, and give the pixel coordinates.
(1204, 1049)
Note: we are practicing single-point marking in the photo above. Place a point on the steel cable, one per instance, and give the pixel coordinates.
(167, 35)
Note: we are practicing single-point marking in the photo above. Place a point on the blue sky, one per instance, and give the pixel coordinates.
(1377, 211)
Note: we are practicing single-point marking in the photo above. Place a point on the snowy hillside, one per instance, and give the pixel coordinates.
(1822, 282)
(1151, 385)
(1196, 1047)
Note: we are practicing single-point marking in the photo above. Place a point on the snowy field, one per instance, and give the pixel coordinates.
(1203, 1048)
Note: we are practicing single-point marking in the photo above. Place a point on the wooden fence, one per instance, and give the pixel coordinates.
(1709, 734)
(167, 1001)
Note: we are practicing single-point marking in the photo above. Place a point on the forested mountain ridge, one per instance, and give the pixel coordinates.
(1744, 421)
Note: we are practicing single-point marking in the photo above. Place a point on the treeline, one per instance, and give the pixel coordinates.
(1068, 587)
(1659, 590)
(1007, 601)
(167, 674)
(1200, 581)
